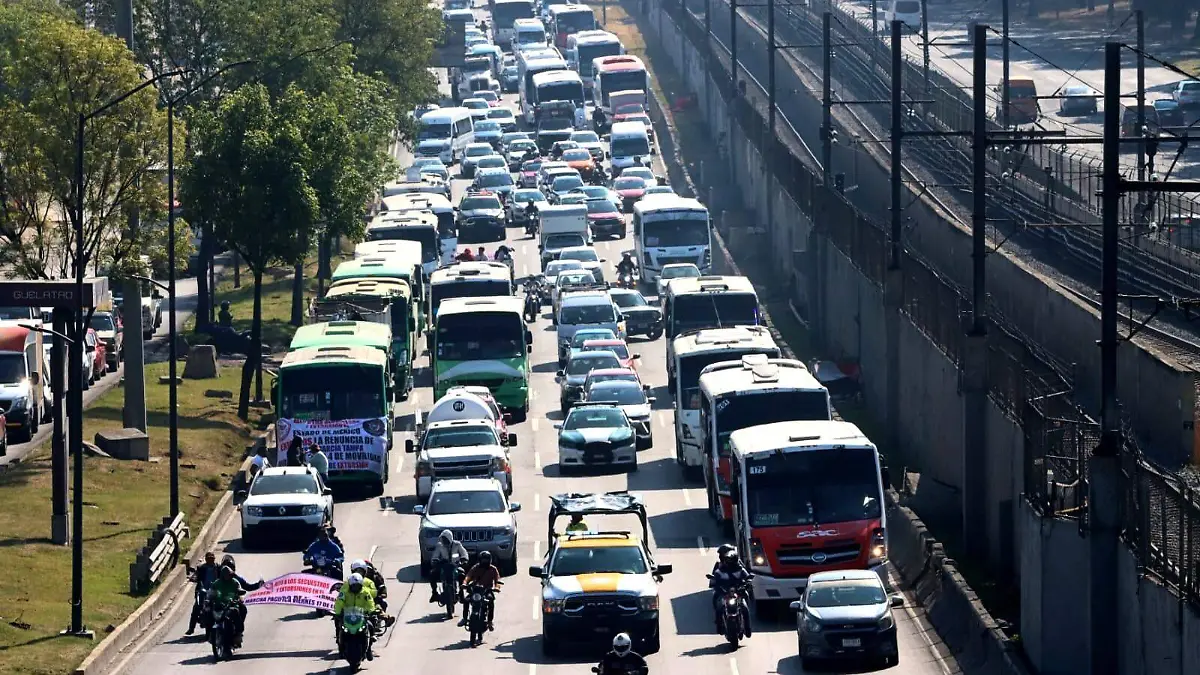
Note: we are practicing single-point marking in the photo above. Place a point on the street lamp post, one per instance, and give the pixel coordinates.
(75, 386)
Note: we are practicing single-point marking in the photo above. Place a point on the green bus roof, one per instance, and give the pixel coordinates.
(505, 303)
(378, 287)
(343, 333)
(395, 267)
(316, 356)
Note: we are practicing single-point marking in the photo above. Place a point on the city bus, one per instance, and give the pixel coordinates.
(483, 342)
(384, 301)
(504, 14)
(671, 229)
(585, 47)
(340, 398)
(809, 499)
(744, 393)
(618, 73)
(421, 227)
(567, 19)
(687, 356)
(472, 279)
(349, 333)
(527, 89)
(696, 303)
(406, 268)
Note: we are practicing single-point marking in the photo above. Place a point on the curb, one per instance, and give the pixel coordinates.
(107, 654)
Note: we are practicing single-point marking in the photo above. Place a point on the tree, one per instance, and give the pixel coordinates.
(51, 71)
(249, 178)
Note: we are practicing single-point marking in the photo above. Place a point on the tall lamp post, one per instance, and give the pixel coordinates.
(75, 386)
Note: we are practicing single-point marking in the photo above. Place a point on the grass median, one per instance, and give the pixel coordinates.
(123, 502)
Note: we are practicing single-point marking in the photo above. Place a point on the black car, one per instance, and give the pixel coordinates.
(1078, 100)
(481, 217)
(640, 317)
(551, 132)
(509, 80)
(1170, 114)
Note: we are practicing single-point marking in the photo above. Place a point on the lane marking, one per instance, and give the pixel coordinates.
(703, 547)
(533, 424)
(537, 546)
(533, 666)
(535, 610)
(537, 502)
(733, 665)
(537, 460)
(687, 498)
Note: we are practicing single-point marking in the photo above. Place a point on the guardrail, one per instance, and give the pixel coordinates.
(159, 555)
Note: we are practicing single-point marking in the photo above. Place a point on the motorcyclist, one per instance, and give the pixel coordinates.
(373, 580)
(334, 538)
(484, 574)
(503, 253)
(626, 266)
(576, 524)
(225, 317)
(481, 254)
(354, 595)
(727, 573)
(228, 589)
(622, 660)
(203, 576)
(443, 552)
(324, 547)
(465, 256)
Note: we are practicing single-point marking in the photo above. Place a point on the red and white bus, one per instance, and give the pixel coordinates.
(808, 498)
(744, 393)
(625, 72)
(568, 19)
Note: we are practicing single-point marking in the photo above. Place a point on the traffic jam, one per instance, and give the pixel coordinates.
(527, 422)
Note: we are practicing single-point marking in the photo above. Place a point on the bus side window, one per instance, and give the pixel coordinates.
(667, 318)
(705, 442)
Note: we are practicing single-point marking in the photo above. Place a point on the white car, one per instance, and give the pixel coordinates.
(479, 514)
(460, 449)
(674, 271)
(286, 499)
(426, 166)
(478, 108)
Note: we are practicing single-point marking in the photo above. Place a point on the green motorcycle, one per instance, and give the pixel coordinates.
(354, 637)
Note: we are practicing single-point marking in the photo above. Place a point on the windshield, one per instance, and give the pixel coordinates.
(583, 336)
(624, 80)
(12, 368)
(478, 336)
(523, 147)
(480, 204)
(637, 146)
(491, 162)
(629, 183)
(594, 418)
(435, 131)
(601, 206)
(460, 437)
(695, 311)
(812, 487)
(343, 391)
(487, 125)
(627, 300)
(573, 22)
(690, 367)
(848, 592)
(908, 7)
(554, 125)
(574, 279)
(526, 196)
(498, 179)
(581, 314)
(581, 254)
(479, 150)
(301, 484)
(692, 232)
(561, 91)
(582, 365)
(16, 313)
(453, 503)
(588, 53)
(567, 183)
(530, 36)
(622, 351)
(576, 155)
(602, 559)
(585, 137)
(475, 104)
(563, 241)
(426, 236)
(487, 95)
(468, 289)
(102, 322)
(750, 410)
(619, 393)
(532, 165)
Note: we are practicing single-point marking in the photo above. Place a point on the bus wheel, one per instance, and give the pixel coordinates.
(520, 414)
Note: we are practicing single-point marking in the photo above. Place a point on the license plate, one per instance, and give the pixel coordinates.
(599, 457)
(852, 643)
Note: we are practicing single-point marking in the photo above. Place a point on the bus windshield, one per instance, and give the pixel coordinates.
(561, 91)
(815, 486)
(690, 367)
(750, 410)
(622, 80)
(696, 311)
(568, 23)
(630, 147)
(343, 391)
(587, 53)
(480, 336)
(469, 289)
(425, 236)
(692, 231)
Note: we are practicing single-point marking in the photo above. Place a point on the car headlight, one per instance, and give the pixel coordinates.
(429, 533)
(499, 464)
(648, 603)
(311, 510)
(552, 606)
(507, 530)
(886, 622)
(19, 403)
(811, 625)
(255, 511)
(569, 443)
(424, 469)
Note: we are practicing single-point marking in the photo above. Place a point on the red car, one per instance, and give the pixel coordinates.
(3, 435)
(605, 218)
(617, 347)
(630, 188)
(607, 374)
(97, 352)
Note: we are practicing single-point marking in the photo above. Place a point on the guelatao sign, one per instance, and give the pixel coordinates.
(297, 589)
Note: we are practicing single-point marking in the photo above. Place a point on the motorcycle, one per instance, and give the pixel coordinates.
(531, 223)
(479, 599)
(735, 613)
(600, 670)
(626, 280)
(452, 573)
(201, 612)
(223, 636)
(324, 567)
(533, 301)
(354, 637)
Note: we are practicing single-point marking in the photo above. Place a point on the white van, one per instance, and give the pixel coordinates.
(629, 145)
(452, 127)
(906, 11)
(528, 33)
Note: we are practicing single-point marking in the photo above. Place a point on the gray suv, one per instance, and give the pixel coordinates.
(479, 515)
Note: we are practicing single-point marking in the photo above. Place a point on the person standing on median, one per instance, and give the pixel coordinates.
(295, 451)
(319, 461)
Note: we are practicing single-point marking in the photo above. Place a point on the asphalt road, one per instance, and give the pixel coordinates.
(285, 640)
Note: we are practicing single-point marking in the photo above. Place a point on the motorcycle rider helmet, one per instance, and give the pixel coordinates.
(622, 644)
(725, 548)
(226, 572)
(358, 565)
(485, 558)
(225, 305)
(355, 583)
(446, 537)
(228, 561)
(729, 558)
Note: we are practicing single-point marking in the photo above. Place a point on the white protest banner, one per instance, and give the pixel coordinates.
(299, 590)
(351, 445)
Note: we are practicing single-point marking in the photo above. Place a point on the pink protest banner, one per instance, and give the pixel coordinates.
(297, 589)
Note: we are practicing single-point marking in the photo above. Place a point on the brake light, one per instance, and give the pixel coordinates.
(879, 544)
(758, 556)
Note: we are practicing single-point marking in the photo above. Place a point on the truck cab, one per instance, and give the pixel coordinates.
(460, 449)
(24, 389)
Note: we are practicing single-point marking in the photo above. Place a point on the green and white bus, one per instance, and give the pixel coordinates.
(475, 279)
(403, 264)
(376, 335)
(340, 398)
(379, 301)
(482, 341)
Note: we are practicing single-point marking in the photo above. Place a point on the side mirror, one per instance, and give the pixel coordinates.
(409, 446)
(897, 601)
(664, 569)
(654, 150)
(241, 495)
(651, 400)
(327, 492)
(512, 440)
(796, 606)
(560, 373)
(507, 418)
(418, 510)
(645, 387)
(604, 260)
(558, 426)
(637, 356)
(528, 349)
(535, 571)
(513, 507)
(607, 154)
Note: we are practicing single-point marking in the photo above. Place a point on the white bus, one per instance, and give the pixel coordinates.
(567, 19)
(699, 303)
(528, 34)
(527, 92)
(558, 85)
(670, 229)
(617, 73)
(504, 14)
(586, 46)
(452, 130)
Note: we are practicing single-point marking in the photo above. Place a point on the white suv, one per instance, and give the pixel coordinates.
(285, 500)
(479, 514)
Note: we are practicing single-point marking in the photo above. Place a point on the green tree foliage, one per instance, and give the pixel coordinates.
(51, 71)
(250, 179)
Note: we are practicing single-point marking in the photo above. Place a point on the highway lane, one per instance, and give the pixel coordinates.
(284, 640)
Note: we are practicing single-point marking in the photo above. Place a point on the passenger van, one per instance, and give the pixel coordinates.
(629, 145)
(906, 11)
(452, 127)
(528, 33)
(1023, 105)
